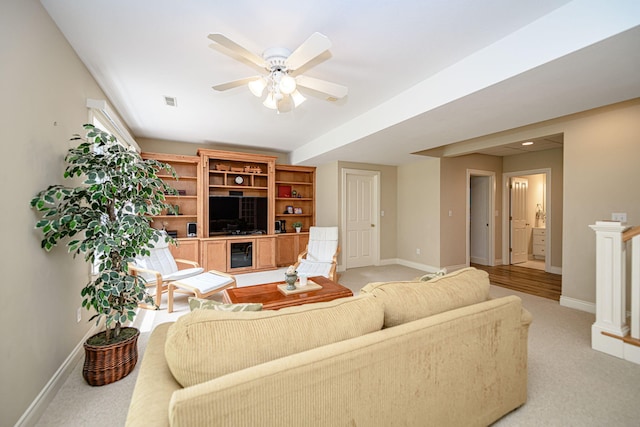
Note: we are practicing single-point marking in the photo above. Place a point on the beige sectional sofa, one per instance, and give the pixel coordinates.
(438, 353)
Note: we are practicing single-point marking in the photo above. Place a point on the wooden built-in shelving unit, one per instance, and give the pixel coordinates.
(217, 173)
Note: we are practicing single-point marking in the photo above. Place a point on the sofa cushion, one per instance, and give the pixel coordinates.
(408, 301)
(206, 344)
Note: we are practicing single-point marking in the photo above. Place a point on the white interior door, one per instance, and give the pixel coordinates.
(518, 221)
(360, 201)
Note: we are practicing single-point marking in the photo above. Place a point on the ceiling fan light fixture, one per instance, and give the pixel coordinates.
(270, 102)
(257, 86)
(297, 98)
(281, 88)
(287, 84)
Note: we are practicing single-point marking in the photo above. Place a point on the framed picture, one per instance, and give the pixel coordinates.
(297, 210)
(284, 191)
(289, 209)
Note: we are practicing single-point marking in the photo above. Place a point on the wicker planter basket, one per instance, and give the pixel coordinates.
(109, 363)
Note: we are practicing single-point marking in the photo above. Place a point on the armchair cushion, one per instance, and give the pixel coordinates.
(314, 268)
(323, 244)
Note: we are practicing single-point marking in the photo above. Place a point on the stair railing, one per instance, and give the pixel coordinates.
(611, 333)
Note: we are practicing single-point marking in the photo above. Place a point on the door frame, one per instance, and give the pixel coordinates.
(491, 204)
(506, 209)
(375, 217)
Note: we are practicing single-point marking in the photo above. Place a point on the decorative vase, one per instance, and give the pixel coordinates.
(105, 364)
(291, 281)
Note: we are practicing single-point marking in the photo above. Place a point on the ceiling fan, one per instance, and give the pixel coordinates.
(282, 81)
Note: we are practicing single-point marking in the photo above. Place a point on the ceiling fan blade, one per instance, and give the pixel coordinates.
(334, 90)
(236, 48)
(312, 47)
(235, 83)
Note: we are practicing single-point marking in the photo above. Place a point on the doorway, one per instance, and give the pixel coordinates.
(360, 222)
(480, 217)
(527, 223)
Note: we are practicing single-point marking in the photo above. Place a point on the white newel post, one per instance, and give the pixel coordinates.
(610, 288)
(635, 287)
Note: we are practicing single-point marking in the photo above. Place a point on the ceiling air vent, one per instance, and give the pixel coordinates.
(170, 101)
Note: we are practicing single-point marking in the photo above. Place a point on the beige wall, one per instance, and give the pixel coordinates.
(419, 212)
(45, 87)
(601, 176)
(327, 179)
(548, 159)
(453, 193)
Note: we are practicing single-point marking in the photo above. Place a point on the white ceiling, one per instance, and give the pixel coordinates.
(421, 74)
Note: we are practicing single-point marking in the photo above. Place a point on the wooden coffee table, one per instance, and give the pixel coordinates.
(272, 299)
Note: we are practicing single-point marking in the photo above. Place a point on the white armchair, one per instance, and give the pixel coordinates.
(321, 256)
(160, 268)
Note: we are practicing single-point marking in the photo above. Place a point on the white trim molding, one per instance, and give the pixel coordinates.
(577, 304)
(101, 109)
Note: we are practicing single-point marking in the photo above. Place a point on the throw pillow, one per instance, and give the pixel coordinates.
(207, 304)
(408, 301)
(206, 344)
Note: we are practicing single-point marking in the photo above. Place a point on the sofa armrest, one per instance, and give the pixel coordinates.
(526, 317)
(154, 385)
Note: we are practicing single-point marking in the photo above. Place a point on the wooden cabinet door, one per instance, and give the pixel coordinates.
(214, 255)
(266, 253)
(303, 241)
(188, 249)
(289, 247)
(286, 250)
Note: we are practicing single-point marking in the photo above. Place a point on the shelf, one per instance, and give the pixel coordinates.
(300, 199)
(293, 183)
(214, 172)
(238, 187)
(284, 215)
(188, 181)
(183, 178)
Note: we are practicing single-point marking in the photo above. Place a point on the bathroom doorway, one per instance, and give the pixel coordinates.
(526, 228)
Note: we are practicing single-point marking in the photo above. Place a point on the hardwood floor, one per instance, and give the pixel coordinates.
(527, 280)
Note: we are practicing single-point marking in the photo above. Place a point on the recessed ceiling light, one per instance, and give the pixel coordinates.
(528, 143)
(171, 101)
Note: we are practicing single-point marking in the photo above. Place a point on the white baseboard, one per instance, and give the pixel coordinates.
(477, 260)
(555, 270)
(423, 267)
(577, 304)
(46, 395)
(417, 266)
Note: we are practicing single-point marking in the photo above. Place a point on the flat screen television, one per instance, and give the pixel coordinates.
(229, 215)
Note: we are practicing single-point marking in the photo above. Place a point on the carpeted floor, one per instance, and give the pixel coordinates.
(569, 383)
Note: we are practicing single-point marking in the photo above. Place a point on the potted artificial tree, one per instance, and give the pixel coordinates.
(297, 226)
(106, 219)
